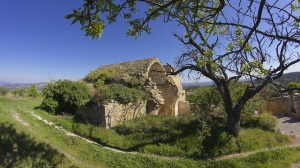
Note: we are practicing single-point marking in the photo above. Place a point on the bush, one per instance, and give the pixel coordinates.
(125, 95)
(119, 93)
(136, 83)
(32, 91)
(264, 121)
(3, 91)
(50, 105)
(204, 99)
(64, 96)
(101, 75)
(19, 92)
(103, 95)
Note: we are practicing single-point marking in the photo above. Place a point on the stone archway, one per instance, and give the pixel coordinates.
(167, 87)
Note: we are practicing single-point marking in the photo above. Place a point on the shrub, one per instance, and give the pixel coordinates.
(19, 92)
(64, 96)
(264, 121)
(204, 99)
(50, 105)
(136, 83)
(125, 95)
(120, 93)
(3, 91)
(32, 91)
(101, 75)
(103, 95)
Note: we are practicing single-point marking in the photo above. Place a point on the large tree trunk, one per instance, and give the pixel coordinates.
(233, 123)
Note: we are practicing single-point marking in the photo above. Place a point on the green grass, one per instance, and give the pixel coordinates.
(271, 159)
(81, 153)
(177, 137)
(50, 147)
(169, 136)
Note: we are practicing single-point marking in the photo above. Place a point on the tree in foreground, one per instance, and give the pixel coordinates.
(225, 40)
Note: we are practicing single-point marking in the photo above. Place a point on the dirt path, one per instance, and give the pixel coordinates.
(17, 117)
(68, 133)
(289, 126)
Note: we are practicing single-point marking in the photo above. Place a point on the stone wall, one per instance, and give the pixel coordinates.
(282, 105)
(116, 113)
(93, 114)
(276, 106)
(111, 114)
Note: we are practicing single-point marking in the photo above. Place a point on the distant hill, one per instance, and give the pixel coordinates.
(3, 83)
(290, 77)
(195, 84)
(24, 86)
(284, 79)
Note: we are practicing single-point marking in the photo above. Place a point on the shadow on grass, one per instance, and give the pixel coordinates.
(20, 150)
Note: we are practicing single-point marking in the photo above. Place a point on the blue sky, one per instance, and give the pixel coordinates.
(37, 44)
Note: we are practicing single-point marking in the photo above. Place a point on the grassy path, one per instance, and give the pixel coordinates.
(235, 155)
(246, 154)
(68, 133)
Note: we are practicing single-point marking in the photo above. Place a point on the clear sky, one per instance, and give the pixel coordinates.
(37, 44)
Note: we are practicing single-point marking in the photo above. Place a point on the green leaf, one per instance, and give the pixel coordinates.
(69, 16)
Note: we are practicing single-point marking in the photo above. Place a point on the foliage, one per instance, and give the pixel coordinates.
(101, 77)
(3, 91)
(120, 93)
(50, 105)
(32, 91)
(264, 121)
(204, 99)
(135, 82)
(207, 100)
(294, 84)
(19, 92)
(64, 96)
(125, 95)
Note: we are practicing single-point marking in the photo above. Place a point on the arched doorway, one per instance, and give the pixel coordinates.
(167, 87)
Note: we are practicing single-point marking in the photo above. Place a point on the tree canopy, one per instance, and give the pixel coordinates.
(225, 40)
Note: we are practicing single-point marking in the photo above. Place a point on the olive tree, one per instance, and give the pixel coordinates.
(225, 40)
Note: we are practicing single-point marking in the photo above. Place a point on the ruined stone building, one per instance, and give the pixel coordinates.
(164, 93)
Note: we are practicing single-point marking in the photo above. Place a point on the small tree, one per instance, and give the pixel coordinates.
(64, 96)
(32, 91)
